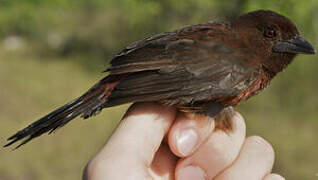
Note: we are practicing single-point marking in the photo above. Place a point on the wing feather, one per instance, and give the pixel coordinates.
(184, 66)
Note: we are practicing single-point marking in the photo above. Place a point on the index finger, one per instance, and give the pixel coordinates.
(130, 150)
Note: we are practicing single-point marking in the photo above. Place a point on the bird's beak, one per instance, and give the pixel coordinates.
(297, 45)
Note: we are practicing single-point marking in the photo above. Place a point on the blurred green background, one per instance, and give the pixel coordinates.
(51, 51)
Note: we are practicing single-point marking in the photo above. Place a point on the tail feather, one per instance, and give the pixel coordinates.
(87, 105)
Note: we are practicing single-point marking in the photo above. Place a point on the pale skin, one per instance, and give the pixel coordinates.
(155, 142)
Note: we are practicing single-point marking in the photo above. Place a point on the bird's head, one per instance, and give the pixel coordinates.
(273, 36)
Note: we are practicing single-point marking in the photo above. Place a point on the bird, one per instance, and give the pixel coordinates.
(205, 69)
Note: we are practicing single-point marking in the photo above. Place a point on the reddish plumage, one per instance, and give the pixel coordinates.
(204, 68)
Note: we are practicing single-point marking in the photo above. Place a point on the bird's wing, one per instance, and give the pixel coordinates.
(164, 49)
(184, 66)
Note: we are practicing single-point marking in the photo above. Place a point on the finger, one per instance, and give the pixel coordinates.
(273, 177)
(163, 164)
(217, 153)
(188, 133)
(255, 160)
(129, 151)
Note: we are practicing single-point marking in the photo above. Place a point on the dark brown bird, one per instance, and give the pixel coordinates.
(203, 68)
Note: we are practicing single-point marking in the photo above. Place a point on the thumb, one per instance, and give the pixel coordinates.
(130, 150)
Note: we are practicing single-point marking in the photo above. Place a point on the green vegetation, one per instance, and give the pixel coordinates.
(51, 51)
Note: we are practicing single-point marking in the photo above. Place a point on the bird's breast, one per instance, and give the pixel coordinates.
(257, 84)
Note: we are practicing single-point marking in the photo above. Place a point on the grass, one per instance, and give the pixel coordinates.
(32, 86)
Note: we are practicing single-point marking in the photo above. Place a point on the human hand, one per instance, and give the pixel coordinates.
(155, 142)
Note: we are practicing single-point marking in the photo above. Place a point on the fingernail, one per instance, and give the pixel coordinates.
(186, 141)
(191, 173)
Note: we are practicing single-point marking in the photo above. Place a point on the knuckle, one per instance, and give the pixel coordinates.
(274, 177)
(239, 122)
(261, 144)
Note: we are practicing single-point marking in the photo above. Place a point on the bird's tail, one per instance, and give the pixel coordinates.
(87, 105)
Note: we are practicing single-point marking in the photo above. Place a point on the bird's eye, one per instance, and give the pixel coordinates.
(269, 32)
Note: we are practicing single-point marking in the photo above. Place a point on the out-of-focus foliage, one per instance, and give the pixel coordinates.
(53, 50)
